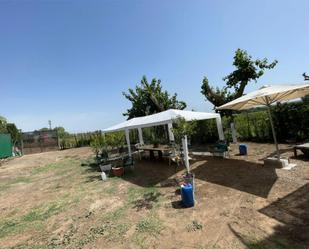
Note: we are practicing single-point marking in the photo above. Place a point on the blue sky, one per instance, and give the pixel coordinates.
(69, 61)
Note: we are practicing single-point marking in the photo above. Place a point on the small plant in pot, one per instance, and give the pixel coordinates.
(182, 129)
(118, 171)
(155, 141)
(98, 145)
(117, 168)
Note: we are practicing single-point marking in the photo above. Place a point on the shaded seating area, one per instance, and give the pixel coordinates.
(165, 118)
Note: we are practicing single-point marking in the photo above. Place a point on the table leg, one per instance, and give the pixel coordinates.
(295, 152)
(151, 155)
(160, 154)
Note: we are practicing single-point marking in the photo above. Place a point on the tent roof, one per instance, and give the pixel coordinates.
(267, 95)
(161, 118)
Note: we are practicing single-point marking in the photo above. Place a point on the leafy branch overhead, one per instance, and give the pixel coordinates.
(149, 98)
(247, 70)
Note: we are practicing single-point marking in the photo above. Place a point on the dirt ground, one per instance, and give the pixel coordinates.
(58, 200)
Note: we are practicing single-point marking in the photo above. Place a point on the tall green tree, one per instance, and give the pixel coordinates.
(62, 133)
(15, 133)
(149, 98)
(3, 124)
(247, 70)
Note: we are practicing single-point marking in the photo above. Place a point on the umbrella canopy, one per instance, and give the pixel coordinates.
(265, 97)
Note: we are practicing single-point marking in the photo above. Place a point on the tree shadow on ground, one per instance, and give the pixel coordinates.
(274, 153)
(91, 166)
(292, 211)
(147, 201)
(91, 170)
(153, 173)
(301, 157)
(241, 175)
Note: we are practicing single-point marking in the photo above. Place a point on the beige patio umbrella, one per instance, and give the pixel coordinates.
(266, 96)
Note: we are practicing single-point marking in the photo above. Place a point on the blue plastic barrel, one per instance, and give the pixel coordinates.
(242, 149)
(187, 195)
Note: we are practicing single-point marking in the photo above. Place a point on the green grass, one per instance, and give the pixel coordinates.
(44, 212)
(150, 225)
(62, 166)
(45, 168)
(20, 179)
(36, 218)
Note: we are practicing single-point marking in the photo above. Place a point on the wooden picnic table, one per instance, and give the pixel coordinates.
(303, 148)
(160, 149)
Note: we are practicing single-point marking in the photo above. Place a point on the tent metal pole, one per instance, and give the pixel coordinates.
(140, 135)
(219, 128)
(128, 142)
(273, 131)
(170, 132)
(186, 153)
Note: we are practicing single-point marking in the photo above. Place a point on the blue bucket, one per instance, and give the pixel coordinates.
(243, 149)
(187, 195)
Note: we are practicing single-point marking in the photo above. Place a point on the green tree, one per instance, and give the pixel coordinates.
(149, 98)
(247, 70)
(3, 124)
(62, 133)
(182, 128)
(15, 134)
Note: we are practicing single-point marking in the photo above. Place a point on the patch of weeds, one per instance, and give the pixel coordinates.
(207, 247)
(45, 168)
(27, 246)
(67, 238)
(20, 179)
(63, 165)
(10, 226)
(10, 183)
(33, 219)
(44, 212)
(150, 225)
(194, 226)
(93, 234)
(116, 214)
(110, 230)
(117, 231)
(225, 213)
(112, 188)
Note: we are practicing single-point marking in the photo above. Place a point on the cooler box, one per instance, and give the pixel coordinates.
(187, 195)
(242, 149)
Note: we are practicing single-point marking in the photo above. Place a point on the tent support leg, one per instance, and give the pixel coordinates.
(128, 142)
(140, 136)
(274, 134)
(170, 132)
(219, 128)
(185, 152)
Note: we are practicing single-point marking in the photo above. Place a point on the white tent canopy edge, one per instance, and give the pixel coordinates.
(163, 118)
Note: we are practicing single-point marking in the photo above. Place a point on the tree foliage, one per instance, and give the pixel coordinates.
(10, 128)
(182, 128)
(149, 98)
(3, 124)
(15, 133)
(247, 70)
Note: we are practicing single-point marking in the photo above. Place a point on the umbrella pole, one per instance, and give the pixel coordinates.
(274, 134)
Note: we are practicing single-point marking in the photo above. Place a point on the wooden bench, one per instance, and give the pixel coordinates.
(304, 148)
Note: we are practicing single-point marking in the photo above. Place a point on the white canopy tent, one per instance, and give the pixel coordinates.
(163, 118)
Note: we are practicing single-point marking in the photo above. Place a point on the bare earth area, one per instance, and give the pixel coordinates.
(58, 200)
